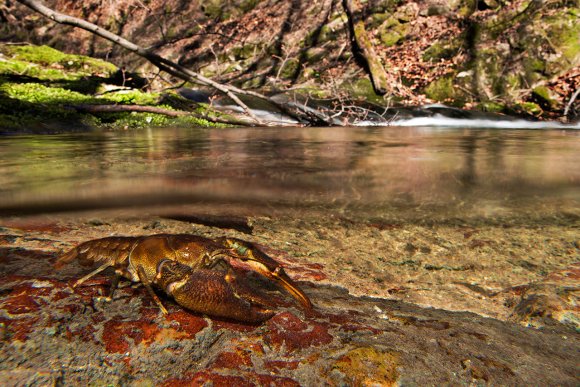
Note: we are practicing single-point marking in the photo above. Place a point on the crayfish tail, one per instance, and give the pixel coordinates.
(66, 258)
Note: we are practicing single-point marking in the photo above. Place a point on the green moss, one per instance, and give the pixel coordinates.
(47, 56)
(392, 32)
(363, 89)
(563, 32)
(26, 69)
(441, 90)
(442, 50)
(37, 93)
(490, 66)
(513, 83)
(245, 52)
(544, 97)
(315, 54)
(331, 30)
(528, 108)
(132, 97)
(221, 10)
(492, 107)
(376, 19)
(289, 69)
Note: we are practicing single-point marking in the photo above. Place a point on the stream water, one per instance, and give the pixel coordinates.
(446, 216)
(392, 232)
(364, 169)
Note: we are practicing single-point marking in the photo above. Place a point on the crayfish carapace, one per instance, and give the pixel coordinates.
(197, 272)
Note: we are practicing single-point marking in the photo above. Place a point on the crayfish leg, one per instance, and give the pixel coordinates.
(147, 284)
(114, 285)
(90, 275)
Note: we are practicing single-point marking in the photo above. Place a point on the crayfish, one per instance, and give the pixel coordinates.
(197, 272)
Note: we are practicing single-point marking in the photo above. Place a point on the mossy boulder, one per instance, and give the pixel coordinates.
(392, 31)
(46, 63)
(441, 90)
(543, 96)
(407, 12)
(443, 49)
(244, 52)
(527, 108)
(315, 54)
(331, 30)
(224, 10)
(363, 89)
(289, 68)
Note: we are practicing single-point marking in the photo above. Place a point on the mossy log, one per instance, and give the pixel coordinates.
(378, 74)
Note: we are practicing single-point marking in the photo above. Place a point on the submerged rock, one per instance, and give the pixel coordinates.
(51, 333)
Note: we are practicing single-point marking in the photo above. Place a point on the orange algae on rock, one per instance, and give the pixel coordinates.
(368, 366)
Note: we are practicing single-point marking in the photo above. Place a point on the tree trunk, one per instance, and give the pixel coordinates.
(377, 71)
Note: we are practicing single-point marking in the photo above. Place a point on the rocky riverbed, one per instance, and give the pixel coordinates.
(444, 302)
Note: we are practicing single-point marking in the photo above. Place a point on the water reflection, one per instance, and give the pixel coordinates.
(286, 166)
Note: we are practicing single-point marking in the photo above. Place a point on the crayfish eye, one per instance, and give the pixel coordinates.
(238, 247)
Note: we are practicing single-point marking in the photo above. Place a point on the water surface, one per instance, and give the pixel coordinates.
(365, 169)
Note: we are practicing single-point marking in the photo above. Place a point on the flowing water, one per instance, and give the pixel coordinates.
(360, 169)
(400, 212)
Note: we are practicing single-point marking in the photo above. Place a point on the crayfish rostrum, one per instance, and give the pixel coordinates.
(197, 272)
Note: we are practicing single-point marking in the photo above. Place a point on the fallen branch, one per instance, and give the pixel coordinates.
(301, 113)
(127, 108)
(569, 104)
(227, 119)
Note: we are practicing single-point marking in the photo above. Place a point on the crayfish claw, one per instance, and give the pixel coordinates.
(266, 266)
(208, 292)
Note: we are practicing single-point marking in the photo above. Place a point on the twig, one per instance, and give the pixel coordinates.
(572, 99)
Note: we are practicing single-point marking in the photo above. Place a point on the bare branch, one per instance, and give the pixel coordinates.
(299, 112)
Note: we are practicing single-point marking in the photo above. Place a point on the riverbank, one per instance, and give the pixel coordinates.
(46, 90)
(516, 58)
